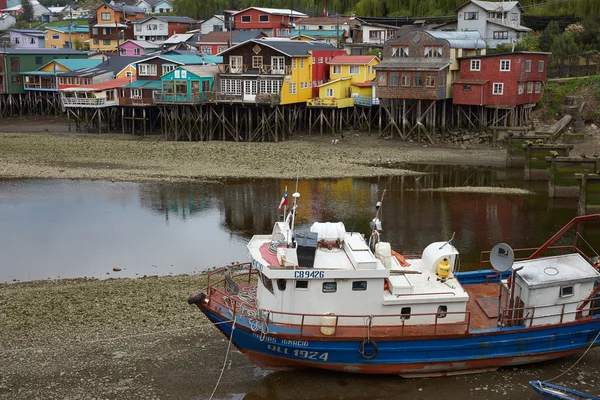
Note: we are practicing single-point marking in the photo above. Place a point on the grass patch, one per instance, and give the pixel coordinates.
(555, 93)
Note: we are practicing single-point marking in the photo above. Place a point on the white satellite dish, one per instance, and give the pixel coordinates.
(502, 257)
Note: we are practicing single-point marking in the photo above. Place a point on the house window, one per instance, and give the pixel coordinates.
(136, 93)
(106, 42)
(294, 63)
(498, 89)
(263, 18)
(430, 80)
(70, 80)
(283, 32)
(541, 66)
(136, 52)
(16, 80)
(320, 60)
(329, 287)
(128, 74)
(97, 42)
(217, 28)
(418, 80)
(278, 65)
(442, 79)
(206, 49)
(538, 87)
(38, 60)
(566, 291)
(270, 87)
(246, 18)
(313, 61)
(359, 285)
(257, 62)
(87, 81)
(471, 15)
(381, 79)
(236, 64)
(147, 69)
(301, 284)
(31, 40)
(514, 17)
(400, 51)
(292, 87)
(435, 52)
(55, 36)
(406, 80)
(78, 81)
(167, 68)
(301, 63)
(376, 35)
(336, 69)
(504, 65)
(475, 65)
(123, 51)
(94, 31)
(354, 69)
(529, 87)
(521, 88)
(442, 311)
(466, 88)
(15, 65)
(500, 34)
(231, 86)
(221, 48)
(528, 66)
(329, 92)
(105, 16)
(61, 80)
(138, 27)
(17, 40)
(405, 311)
(394, 78)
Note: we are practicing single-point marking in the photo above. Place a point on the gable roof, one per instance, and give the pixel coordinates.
(519, 28)
(242, 36)
(413, 64)
(318, 33)
(291, 48)
(216, 37)
(185, 59)
(275, 11)
(74, 63)
(114, 64)
(122, 7)
(167, 18)
(219, 17)
(202, 70)
(326, 20)
(29, 32)
(73, 29)
(178, 38)
(351, 60)
(345, 78)
(460, 40)
(144, 44)
(494, 6)
(153, 3)
(111, 84)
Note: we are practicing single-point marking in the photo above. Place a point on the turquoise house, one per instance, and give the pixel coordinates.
(187, 84)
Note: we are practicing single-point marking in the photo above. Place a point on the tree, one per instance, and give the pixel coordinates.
(564, 46)
(27, 13)
(77, 45)
(551, 31)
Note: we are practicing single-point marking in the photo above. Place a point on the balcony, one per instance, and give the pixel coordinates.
(262, 70)
(139, 102)
(366, 101)
(330, 102)
(273, 70)
(37, 82)
(88, 102)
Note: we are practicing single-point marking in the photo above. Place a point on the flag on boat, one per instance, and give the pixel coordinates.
(284, 200)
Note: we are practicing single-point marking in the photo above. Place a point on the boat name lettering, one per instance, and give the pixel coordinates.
(304, 354)
(264, 338)
(257, 265)
(309, 274)
(301, 343)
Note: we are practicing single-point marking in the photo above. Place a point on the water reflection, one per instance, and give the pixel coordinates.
(53, 228)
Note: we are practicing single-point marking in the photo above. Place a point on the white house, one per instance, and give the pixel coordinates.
(155, 6)
(496, 21)
(159, 28)
(216, 23)
(38, 10)
(6, 21)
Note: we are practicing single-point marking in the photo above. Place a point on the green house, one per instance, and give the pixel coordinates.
(13, 61)
(187, 84)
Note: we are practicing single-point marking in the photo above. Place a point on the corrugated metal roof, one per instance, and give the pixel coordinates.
(470, 82)
(275, 11)
(242, 36)
(13, 50)
(519, 28)
(74, 29)
(142, 43)
(113, 64)
(74, 63)
(461, 40)
(202, 70)
(351, 60)
(413, 64)
(178, 38)
(112, 84)
(495, 5)
(316, 33)
(292, 48)
(144, 85)
(325, 20)
(184, 59)
(165, 18)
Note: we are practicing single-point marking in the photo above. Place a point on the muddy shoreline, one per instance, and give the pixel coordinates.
(139, 339)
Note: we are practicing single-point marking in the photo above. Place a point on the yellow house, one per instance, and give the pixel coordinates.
(126, 72)
(58, 37)
(296, 86)
(351, 78)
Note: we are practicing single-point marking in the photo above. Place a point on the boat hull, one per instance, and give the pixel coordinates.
(439, 356)
(549, 391)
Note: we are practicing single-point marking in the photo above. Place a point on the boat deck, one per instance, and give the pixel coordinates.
(482, 307)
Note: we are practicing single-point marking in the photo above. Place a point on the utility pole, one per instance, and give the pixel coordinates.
(337, 30)
(70, 27)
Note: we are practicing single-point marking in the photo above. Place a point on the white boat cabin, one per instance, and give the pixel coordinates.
(331, 271)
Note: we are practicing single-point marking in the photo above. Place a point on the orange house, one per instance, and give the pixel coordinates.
(111, 27)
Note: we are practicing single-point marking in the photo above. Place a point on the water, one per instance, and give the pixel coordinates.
(64, 228)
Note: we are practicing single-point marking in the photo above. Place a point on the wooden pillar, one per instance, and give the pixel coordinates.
(551, 180)
(582, 193)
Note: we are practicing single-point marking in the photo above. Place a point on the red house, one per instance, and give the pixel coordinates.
(273, 22)
(320, 67)
(216, 42)
(509, 79)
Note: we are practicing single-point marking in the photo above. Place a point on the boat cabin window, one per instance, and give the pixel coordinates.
(405, 311)
(566, 291)
(301, 284)
(442, 310)
(281, 284)
(359, 285)
(329, 287)
(267, 283)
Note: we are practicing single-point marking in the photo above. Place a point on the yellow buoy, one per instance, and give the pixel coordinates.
(443, 269)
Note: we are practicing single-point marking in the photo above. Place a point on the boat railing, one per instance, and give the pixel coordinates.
(526, 252)
(240, 270)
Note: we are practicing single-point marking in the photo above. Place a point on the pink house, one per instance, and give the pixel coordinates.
(137, 48)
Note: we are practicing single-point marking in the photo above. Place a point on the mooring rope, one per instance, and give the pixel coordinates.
(580, 358)
(224, 361)
(116, 338)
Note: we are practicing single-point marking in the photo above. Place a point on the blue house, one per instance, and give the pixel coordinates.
(187, 84)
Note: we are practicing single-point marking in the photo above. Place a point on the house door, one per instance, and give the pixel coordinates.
(195, 87)
(250, 90)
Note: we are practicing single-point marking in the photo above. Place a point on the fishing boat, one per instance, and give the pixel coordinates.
(341, 301)
(549, 391)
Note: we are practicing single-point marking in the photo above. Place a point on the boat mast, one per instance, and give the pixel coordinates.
(296, 195)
